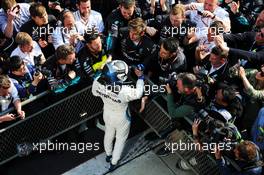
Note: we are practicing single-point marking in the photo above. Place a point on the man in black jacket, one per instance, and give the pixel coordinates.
(118, 21)
(136, 47)
(93, 55)
(40, 27)
(64, 68)
(168, 60)
(253, 51)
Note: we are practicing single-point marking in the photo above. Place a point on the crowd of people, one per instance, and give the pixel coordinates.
(211, 53)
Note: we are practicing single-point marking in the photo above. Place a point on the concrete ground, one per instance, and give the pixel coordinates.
(138, 159)
(147, 164)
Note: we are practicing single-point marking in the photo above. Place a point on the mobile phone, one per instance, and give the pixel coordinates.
(199, 12)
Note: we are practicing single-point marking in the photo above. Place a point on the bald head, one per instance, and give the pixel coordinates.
(210, 5)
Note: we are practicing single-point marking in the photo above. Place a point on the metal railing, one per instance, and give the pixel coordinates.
(49, 122)
(23, 103)
(159, 121)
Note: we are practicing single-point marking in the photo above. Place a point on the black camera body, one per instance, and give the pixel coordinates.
(199, 12)
(46, 73)
(234, 71)
(171, 79)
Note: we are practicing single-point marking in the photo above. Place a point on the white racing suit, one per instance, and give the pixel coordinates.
(116, 115)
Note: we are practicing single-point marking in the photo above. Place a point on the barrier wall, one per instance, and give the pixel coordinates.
(49, 122)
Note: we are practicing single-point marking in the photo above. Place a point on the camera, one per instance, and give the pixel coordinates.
(46, 73)
(199, 12)
(37, 73)
(171, 79)
(37, 60)
(234, 71)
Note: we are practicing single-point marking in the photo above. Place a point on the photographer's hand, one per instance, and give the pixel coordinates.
(73, 40)
(9, 26)
(37, 78)
(49, 39)
(219, 41)
(168, 89)
(242, 73)
(195, 126)
(42, 43)
(235, 7)
(196, 69)
(191, 6)
(218, 155)
(151, 31)
(11, 14)
(208, 14)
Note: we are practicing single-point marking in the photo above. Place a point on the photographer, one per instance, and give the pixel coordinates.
(68, 31)
(28, 49)
(242, 13)
(24, 77)
(227, 101)
(64, 69)
(247, 157)
(253, 81)
(12, 16)
(203, 14)
(191, 100)
(214, 70)
(40, 28)
(206, 42)
(89, 18)
(191, 97)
